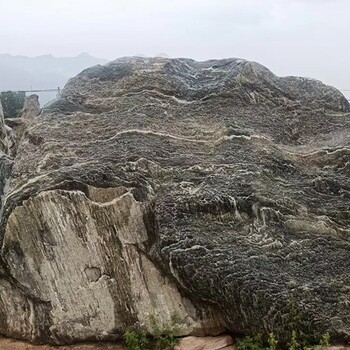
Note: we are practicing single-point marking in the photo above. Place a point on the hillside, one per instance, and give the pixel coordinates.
(42, 72)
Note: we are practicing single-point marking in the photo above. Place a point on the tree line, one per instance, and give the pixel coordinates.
(12, 103)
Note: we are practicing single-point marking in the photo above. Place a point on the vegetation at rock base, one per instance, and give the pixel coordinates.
(302, 336)
(258, 343)
(136, 341)
(251, 343)
(272, 341)
(325, 340)
(142, 341)
(12, 103)
(164, 338)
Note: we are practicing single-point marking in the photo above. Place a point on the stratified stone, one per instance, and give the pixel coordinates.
(5, 160)
(17, 126)
(213, 194)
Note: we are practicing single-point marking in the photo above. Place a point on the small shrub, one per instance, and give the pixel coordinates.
(272, 341)
(156, 328)
(325, 340)
(166, 342)
(175, 321)
(163, 339)
(294, 343)
(132, 340)
(302, 333)
(137, 341)
(250, 343)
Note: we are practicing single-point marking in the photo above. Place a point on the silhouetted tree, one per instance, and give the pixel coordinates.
(12, 103)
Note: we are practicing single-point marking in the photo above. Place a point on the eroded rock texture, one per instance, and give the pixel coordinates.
(215, 191)
(5, 160)
(17, 126)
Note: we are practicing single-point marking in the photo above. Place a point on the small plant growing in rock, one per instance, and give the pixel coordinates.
(325, 340)
(294, 343)
(258, 343)
(163, 339)
(302, 333)
(272, 341)
(136, 341)
(251, 343)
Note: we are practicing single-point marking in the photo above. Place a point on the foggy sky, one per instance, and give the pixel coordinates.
(291, 37)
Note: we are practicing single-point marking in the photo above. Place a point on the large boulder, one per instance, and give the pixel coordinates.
(212, 191)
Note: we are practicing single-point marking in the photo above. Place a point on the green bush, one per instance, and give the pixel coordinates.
(325, 340)
(258, 343)
(131, 339)
(272, 341)
(302, 335)
(165, 338)
(294, 342)
(12, 103)
(251, 343)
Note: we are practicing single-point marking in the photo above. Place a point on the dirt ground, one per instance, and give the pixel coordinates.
(10, 344)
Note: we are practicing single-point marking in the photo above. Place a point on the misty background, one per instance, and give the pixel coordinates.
(41, 42)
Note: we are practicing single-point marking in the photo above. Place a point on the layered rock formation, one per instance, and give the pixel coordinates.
(16, 127)
(212, 191)
(6, 161)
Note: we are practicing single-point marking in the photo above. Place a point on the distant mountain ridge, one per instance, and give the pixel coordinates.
(42, 72)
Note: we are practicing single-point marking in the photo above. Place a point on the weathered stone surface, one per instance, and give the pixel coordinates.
(5, 161)
(31, 108)
(215, 191)
(205, 343)
(85, 256)
(3, 144)
(17, 126)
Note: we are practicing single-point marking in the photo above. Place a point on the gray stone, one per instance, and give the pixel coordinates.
(6, 141)
(17, 126)
(214, 191)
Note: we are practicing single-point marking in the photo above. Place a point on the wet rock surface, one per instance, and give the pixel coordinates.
(213, 191)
